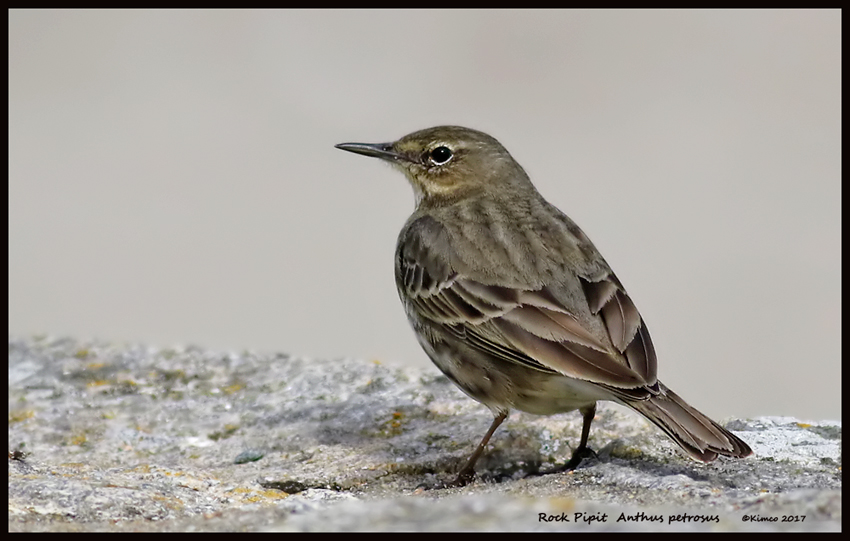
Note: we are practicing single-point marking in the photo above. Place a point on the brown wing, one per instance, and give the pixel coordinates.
(626, 329)
(526, 326)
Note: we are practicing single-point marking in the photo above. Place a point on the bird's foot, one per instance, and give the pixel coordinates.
(578, 455)
(463, 478)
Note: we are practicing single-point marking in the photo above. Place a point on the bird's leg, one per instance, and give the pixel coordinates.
(582, 451)
(467, 473)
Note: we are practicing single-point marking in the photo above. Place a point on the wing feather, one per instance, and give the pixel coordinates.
(530, 327)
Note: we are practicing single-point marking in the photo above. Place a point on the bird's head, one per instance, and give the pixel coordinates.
(448, 163)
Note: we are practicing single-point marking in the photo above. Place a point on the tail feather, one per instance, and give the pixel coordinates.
(698, 435)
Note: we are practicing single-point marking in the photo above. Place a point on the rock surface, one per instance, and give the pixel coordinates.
(132, 438)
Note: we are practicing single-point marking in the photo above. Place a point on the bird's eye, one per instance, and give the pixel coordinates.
(440, 155)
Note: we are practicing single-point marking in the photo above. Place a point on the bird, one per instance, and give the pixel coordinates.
(515, 305)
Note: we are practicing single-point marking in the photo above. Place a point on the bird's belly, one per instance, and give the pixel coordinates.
(503, 385)
(551, 394)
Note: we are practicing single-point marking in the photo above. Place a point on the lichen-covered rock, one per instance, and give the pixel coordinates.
(128, 437)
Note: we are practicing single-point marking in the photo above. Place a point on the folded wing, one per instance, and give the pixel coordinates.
(528, 326)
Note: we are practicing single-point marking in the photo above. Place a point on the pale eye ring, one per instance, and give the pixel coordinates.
(440, 155)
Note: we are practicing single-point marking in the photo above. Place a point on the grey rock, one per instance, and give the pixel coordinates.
(125, 437)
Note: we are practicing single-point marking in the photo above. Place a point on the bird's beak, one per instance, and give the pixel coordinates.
(376, 150)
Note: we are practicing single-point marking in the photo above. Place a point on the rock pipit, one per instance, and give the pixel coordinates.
(514, 304)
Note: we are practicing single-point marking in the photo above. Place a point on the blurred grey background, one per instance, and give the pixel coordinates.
(172, 176)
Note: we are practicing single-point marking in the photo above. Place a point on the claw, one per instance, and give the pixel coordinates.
(578, 455)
